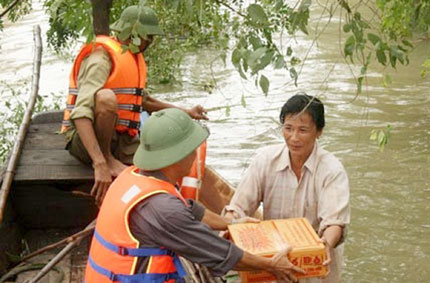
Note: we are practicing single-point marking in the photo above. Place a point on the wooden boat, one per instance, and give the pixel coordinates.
(49, 200)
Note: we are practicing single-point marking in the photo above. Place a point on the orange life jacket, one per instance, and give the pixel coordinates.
(127, 80)
(191, 184)
(114, 250)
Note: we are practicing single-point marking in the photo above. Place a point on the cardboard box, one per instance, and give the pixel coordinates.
(269, 237)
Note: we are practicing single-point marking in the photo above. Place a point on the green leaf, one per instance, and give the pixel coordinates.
(227, 111)
(289, 51)
(349, 46)
(381, 136)
(235, 57)
(255, 41)
(373, 38)
(387, 80)
(279, 62)
(345, 5)
(125, 34)
(133, 48)
(257, 15)
(264, 84)
(305, 5)
(393, 60)
(407, 43)
(295, 60)
(242, 101)
(255, 55)
(359, 84)
(373, 135)
(294, 75)
(347, 28)
(136, 41)
(382, 58)
(242, 74)
(141, 31)
(265, 60)
(223, 57)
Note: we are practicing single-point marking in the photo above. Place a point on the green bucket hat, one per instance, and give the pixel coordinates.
(167, 137)
(144, 17)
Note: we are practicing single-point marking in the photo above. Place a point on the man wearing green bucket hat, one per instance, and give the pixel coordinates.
(144, 222)
(107, 96)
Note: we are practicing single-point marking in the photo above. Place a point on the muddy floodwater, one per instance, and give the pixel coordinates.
(389, 236)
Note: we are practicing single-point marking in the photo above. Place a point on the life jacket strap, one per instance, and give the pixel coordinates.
(123, 90)
(140, 277)
(129, 123)
(140, 252)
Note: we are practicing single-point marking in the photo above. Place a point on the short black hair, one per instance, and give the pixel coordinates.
(307, 103)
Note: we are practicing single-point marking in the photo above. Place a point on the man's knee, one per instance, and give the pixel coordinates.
(105, 101)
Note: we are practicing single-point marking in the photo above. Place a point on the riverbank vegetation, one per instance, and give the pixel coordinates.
(253, 35)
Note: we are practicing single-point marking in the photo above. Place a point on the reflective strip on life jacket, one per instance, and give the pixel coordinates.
(190, 184)
(128, 123)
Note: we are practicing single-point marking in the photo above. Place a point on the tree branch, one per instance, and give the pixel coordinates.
(9, 8)
(231, 8)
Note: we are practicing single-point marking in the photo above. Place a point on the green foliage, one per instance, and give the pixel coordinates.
(362, 43)
(381, 137)
(17, 11)
(426, 68)
(404, 18)
(68, 20)
(245, 29)
(15, 107)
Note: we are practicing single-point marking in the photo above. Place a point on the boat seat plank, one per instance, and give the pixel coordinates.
(54, 173)
(50, 128)
(44, 157)
(55, 116)
(44, 141)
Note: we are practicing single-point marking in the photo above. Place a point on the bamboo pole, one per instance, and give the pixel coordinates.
(61, 254)
(17, 148)
(208, 274)
(191, 271)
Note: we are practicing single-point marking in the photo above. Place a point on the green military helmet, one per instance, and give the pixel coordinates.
(167, 137)
(142, 18)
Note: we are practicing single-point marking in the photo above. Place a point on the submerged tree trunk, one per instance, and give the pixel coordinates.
(101, 9)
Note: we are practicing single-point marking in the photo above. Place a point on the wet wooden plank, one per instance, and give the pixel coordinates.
(46, 157)
(44, 141)
(48, 117)
(49, 128)
(46, 173)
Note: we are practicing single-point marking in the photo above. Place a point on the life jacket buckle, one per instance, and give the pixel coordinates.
(133, 124)
(137, 108)
(122, 251)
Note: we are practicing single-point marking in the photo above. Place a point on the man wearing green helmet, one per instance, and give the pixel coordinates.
(144, 222)
(107, 96)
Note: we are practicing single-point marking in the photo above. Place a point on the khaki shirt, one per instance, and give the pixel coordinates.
(93, 74)
(321, 195)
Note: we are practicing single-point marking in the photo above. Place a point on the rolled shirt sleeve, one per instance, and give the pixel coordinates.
(333, 202)
(163, 220)
(93, 74)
